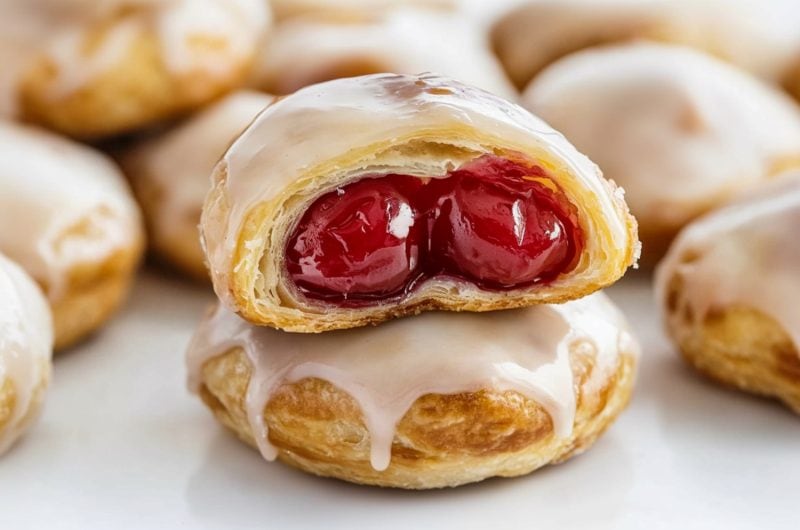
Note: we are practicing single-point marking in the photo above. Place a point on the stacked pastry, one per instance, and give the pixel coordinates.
(362, 200)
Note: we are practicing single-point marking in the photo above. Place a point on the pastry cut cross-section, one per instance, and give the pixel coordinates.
(358, 200)
(431, 401)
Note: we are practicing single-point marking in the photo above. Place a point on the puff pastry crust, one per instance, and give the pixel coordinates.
(532, 36)
(68, 218)
(374, 406)
(95, 69)
(349, 10)
(729, 292)
(334, 133)
(170, 176)
(680, 131)
(309, 50)
(26, 347)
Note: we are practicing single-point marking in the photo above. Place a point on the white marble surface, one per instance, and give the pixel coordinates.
(122, 445)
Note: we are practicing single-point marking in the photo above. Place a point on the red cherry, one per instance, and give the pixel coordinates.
(360, 240)
(500, 227)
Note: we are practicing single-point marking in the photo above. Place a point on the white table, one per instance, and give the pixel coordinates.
(122, 444)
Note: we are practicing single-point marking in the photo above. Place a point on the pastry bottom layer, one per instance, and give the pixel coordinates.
(443, 440)
(739, 347)
(95, 291)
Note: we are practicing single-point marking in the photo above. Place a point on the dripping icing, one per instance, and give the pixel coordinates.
(387, 368)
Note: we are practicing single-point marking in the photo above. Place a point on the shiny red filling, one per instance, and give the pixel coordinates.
(498, 223)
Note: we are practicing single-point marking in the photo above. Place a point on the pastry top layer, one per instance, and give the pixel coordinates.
(179, 162)
(387, 368)
(84, 38)
(308, 50)
(746, 254)
(679, 130)
(61, 205)
(26, 344)
(351, 9)
(329, 134)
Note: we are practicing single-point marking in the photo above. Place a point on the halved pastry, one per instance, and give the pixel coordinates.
(26, 346)
(358, 200)
(68, 218)
(532, 36)
(94, 69)
(170, 174)
(729, 291)
(425, 402)
(680, 131)
(309, 50)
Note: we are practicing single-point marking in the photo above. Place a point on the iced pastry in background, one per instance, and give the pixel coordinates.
(358, 200)
(94, 69)
(311, 49)
(26, 347)
(171, 175)
(68, 218)
(681, 132)
(729, 292)
(437, 400)
(753, 35)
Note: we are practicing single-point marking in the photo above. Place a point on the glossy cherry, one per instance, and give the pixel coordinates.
(360, 240)
(496, 222)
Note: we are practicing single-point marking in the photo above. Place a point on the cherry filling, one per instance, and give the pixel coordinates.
(498, 223)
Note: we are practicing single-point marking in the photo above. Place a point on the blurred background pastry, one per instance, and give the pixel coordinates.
(94, 69)
(26, 346)
(170, 174)
(437, 400)
(679, 131)
(68, 218)
(760, 37)
(729, 292)
(315, 48)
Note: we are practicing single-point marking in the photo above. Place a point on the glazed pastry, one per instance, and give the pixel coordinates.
(358, 200)
(171, 172)
(67, 216)
(729, 292)
(26, 346)
(98, 68)
(305, 51)
(680, 131)
(426, 402)
(536, 34)
(345, 10)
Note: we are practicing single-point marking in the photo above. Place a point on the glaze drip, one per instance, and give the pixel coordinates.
(387, 368)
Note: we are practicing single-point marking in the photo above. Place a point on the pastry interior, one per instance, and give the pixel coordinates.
(499, 222)
(425, 402)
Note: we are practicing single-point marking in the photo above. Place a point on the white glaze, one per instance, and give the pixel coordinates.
(57, 30)
(387, 368)
(679, 130)
(179, 162)
(303, 51)
(26, 344)
(323, 122)
(747, 255)
(48, 184)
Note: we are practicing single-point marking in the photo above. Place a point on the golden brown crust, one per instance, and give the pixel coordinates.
(737, 346)
(443, 440)
(137, 91)
(94, 292)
